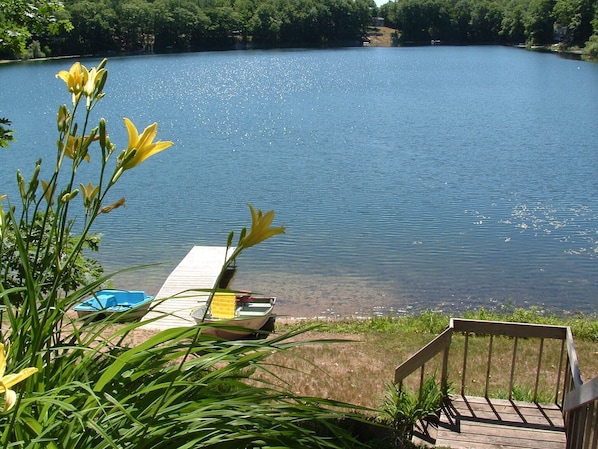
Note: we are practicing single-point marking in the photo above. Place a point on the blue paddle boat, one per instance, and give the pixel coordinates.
(122, 304)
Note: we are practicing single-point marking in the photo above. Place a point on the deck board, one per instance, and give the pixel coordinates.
(199, 269)
(480, 423)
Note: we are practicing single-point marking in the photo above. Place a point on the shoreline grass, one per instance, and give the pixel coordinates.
(356, 370)
(583, 326)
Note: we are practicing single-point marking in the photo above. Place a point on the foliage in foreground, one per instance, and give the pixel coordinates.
(81, 383)
(404, 409)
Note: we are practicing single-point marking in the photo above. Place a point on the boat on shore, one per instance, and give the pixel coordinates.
(124, 305)
(233, 316)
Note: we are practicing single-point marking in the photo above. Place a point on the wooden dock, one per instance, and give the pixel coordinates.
(481, 423)
(173, 304)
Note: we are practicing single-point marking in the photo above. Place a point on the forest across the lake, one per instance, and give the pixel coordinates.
(84, 27)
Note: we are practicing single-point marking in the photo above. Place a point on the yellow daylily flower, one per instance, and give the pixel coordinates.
(79, 80)
(92, 78)
(75, 79)
(9, 380)
(141, 146)
(89, 194)
(260, 228)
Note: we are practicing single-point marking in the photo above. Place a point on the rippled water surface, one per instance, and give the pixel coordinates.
(408, 178)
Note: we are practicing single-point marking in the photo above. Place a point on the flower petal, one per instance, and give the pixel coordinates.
(10, 399)
(12, 379)
(2, 360)
(133, 134)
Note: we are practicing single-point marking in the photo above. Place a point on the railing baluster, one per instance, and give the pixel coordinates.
(513, 368)
(559, 373)
(421, 379)
(445, 361)
(538, 370)
(595, 430)
(589, 421)
(574, 427)
(464, 364)
(488, 365)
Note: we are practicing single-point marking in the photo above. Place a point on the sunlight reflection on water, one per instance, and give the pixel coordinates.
(407, 178)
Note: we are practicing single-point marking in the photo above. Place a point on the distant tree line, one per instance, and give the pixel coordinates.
(106, 26)
(103, 26)
(531, 22)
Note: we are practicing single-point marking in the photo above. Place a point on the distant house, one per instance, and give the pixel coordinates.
(377, 21)
(561, 34)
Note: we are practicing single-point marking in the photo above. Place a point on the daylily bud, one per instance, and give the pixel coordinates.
(21, 182)
(63, 119)
(117, 174)
(103, 135)
(2, 216)
(34, 181)
(69, 196)
(113, 206)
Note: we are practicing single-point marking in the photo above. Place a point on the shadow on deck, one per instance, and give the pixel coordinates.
(474, 422)
(471, 422)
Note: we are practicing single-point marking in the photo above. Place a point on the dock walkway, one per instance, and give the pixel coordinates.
(198, 270)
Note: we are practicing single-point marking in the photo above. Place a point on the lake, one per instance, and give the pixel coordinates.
(442, 178)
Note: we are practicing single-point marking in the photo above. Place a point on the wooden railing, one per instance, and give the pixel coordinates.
(579, 401)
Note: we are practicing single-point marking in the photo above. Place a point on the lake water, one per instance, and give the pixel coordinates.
(438, 178)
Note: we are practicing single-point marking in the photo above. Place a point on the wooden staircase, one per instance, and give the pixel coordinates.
(471, 422)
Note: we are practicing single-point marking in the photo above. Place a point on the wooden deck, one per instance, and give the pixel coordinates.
(198, 270)
(480, 423)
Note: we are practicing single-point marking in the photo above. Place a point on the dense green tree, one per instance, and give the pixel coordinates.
(94, 26)
(21, 19)
(225, 22)
(265, 24)
(486, 21)
(539, 22)
(136, 25)
(576, 16)
(512, 24)
(179, 24)
(490, 21)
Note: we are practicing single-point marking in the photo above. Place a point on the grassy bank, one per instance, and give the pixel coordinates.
(362, 354)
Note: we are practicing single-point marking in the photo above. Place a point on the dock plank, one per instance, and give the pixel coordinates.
(199, 269)
(481, 423)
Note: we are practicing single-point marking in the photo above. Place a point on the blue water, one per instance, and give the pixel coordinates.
(408, 178)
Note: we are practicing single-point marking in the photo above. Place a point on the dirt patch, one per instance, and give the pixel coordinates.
(381, 37)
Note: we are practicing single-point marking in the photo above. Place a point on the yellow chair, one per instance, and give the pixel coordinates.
(223, 306)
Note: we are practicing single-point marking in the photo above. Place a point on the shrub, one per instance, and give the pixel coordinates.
(404, 408)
